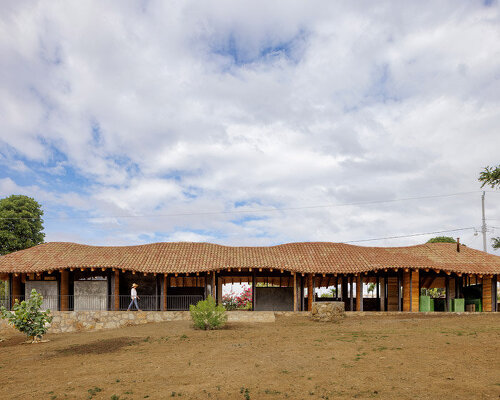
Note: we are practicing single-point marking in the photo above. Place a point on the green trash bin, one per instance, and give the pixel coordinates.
(425, 303)
(458, 305)
(432, 305)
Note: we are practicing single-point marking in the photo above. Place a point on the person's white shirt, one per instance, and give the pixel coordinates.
(133, 293)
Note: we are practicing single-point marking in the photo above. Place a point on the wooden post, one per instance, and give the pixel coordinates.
(487, 294)
(294, 292)
(447, 305)
(399, 291)
(254, 283)
(351, 293)
(494, 288)
(310, 292)
(64, 290)
(407, 291)
(213, 288)
(359, 293)
(219, 290)
(165, 293)
(415, 290)
(117, 290)
(382, 282)
(301, 305)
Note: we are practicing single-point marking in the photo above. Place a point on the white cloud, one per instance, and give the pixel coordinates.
(167, 108)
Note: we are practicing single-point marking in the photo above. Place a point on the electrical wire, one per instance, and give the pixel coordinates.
(410, 235)
(203, 213)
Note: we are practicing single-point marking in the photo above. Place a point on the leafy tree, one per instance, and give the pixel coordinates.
(490, 176)
(496, 243)
(207, 315)
(442, 239)
(27, 317)
(21, 223)
(371, 288)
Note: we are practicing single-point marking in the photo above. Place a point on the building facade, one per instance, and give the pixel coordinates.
(171, 276)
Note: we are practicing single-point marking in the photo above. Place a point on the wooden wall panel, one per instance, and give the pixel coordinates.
(392, 294)
(415, 292)
(487, 294)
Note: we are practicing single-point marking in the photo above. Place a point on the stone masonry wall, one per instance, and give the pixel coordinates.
(74, 321)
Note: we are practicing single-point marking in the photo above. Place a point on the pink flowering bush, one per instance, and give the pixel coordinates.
(243, 301)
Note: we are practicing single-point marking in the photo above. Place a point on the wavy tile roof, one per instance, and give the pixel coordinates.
(317, 257)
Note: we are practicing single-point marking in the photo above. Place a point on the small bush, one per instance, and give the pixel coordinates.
(27, 317)
(206, 315)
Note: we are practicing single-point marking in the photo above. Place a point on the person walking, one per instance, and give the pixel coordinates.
(134, 297)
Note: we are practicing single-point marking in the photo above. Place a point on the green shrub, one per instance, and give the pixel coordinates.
(27, 317)
(207, 315)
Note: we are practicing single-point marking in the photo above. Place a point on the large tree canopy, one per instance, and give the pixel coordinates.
(442, 239)
(490, 176)
(21, 223)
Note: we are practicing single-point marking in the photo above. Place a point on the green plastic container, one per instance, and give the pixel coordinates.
(458, 305)
(425, 303)
(432, 305)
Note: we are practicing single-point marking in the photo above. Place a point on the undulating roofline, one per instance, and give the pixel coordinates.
(305, 257)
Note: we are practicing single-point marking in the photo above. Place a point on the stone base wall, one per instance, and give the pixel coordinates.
(75, 321)
(327, 311)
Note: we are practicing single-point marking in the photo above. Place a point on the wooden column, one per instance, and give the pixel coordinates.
(254, 283)
(447, 305)
(213, 285)
(487, 294)
(219, 290)
(351, 294)
(165, 293)
(415, 291)
(310, 292)
(294, 277)
(359, 293)
(64, 290)
(117, 289)
(494, 288)
(301, 306)
(382, 294)
(16, 288)
(399, 290)
(406, 290)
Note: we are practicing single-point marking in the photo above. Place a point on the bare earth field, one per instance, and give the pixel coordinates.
(384, 357)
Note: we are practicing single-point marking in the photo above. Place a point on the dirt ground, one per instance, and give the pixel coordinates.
(385, 357)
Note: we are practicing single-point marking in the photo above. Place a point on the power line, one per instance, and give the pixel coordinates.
(410, 235)
(202, 213)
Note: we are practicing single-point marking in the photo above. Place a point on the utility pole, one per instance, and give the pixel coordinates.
(483, 228)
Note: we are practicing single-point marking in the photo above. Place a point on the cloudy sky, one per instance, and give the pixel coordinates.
(252, 123)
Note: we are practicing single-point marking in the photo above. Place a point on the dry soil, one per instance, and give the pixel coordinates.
(380, 357)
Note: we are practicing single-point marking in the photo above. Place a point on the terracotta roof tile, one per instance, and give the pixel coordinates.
(317, 257)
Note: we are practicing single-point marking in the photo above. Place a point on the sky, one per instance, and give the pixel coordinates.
(251, 123)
